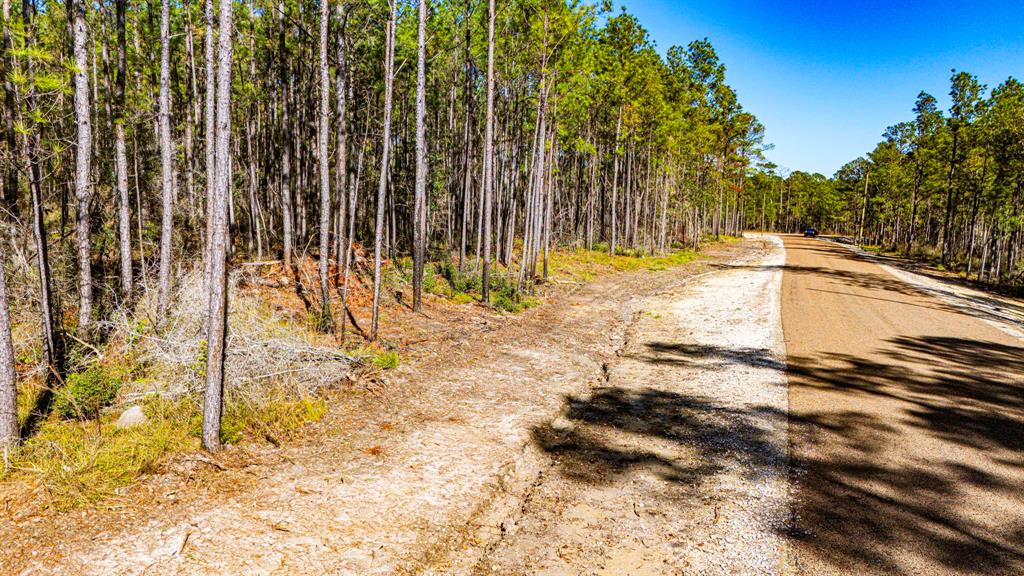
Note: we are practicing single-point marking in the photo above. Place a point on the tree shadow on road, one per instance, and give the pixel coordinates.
(867, 502)
(705, 356)
(588, 448)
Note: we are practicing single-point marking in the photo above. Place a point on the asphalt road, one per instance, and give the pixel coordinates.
(906, 425)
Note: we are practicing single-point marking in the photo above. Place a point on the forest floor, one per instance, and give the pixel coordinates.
(413, 470)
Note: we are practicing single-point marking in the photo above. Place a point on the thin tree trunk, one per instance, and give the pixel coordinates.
(166, 167)
(488, 168)
(341, 158)
(946, 227)
(210, 122)
(326, 323)
(286, 155)
(10, 171)
(863, 209)
(216, 332)
(615, 182)
(124, 224)
(352, 195)
(83, 162)
(385, 165)
(8, 386)
(420, 202)
(466, 133)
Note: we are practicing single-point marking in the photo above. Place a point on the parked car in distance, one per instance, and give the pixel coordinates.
(810, 233)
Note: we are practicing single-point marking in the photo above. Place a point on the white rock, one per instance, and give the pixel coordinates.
(133, 416)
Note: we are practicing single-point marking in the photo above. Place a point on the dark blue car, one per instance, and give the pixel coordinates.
(810, 233)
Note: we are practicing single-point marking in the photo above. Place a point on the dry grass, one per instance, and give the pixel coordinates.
(270, 342)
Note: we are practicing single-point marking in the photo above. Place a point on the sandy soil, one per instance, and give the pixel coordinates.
(415, 472)
(907, 407)
(675, 463)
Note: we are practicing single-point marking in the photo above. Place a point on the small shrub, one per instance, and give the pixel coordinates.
(432, 284)
(506, 298)
(320, 320)
(463, 298)
(86, 393)
(459, 281)
(629, 252)
(198, 366)
(513, 304)
(387, 360)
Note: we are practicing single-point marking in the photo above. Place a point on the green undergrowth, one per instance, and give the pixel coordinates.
(81, 462)
(444, 279)
(584, 265)
(920, 254)
(387, 360)
(376, 356)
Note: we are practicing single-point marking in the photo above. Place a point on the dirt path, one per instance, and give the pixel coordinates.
(415, 473)
(907, 408)
(675, 463)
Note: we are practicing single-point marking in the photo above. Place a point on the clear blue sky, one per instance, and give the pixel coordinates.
(827, 77)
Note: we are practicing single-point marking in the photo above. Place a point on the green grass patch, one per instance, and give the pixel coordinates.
(387, 360)
(82, 462)
(584, 265)
(463, 298)
(513, 302)
(274, 415)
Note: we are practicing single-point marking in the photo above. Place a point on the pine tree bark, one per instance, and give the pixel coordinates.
(10, 171)
(124, 232)
(216, 331)
(8, 386)
(210, 125)
(466, 134)
(615, 183)
(385, 166)
(341, 154)
(347, 265)
(488, 168)
(420, 201)
(285, 143)
(50, 317)
(323, 137)
(166, 166)
(83, 161)
(946, 241)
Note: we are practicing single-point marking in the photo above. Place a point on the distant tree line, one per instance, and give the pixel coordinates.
(947, 185)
